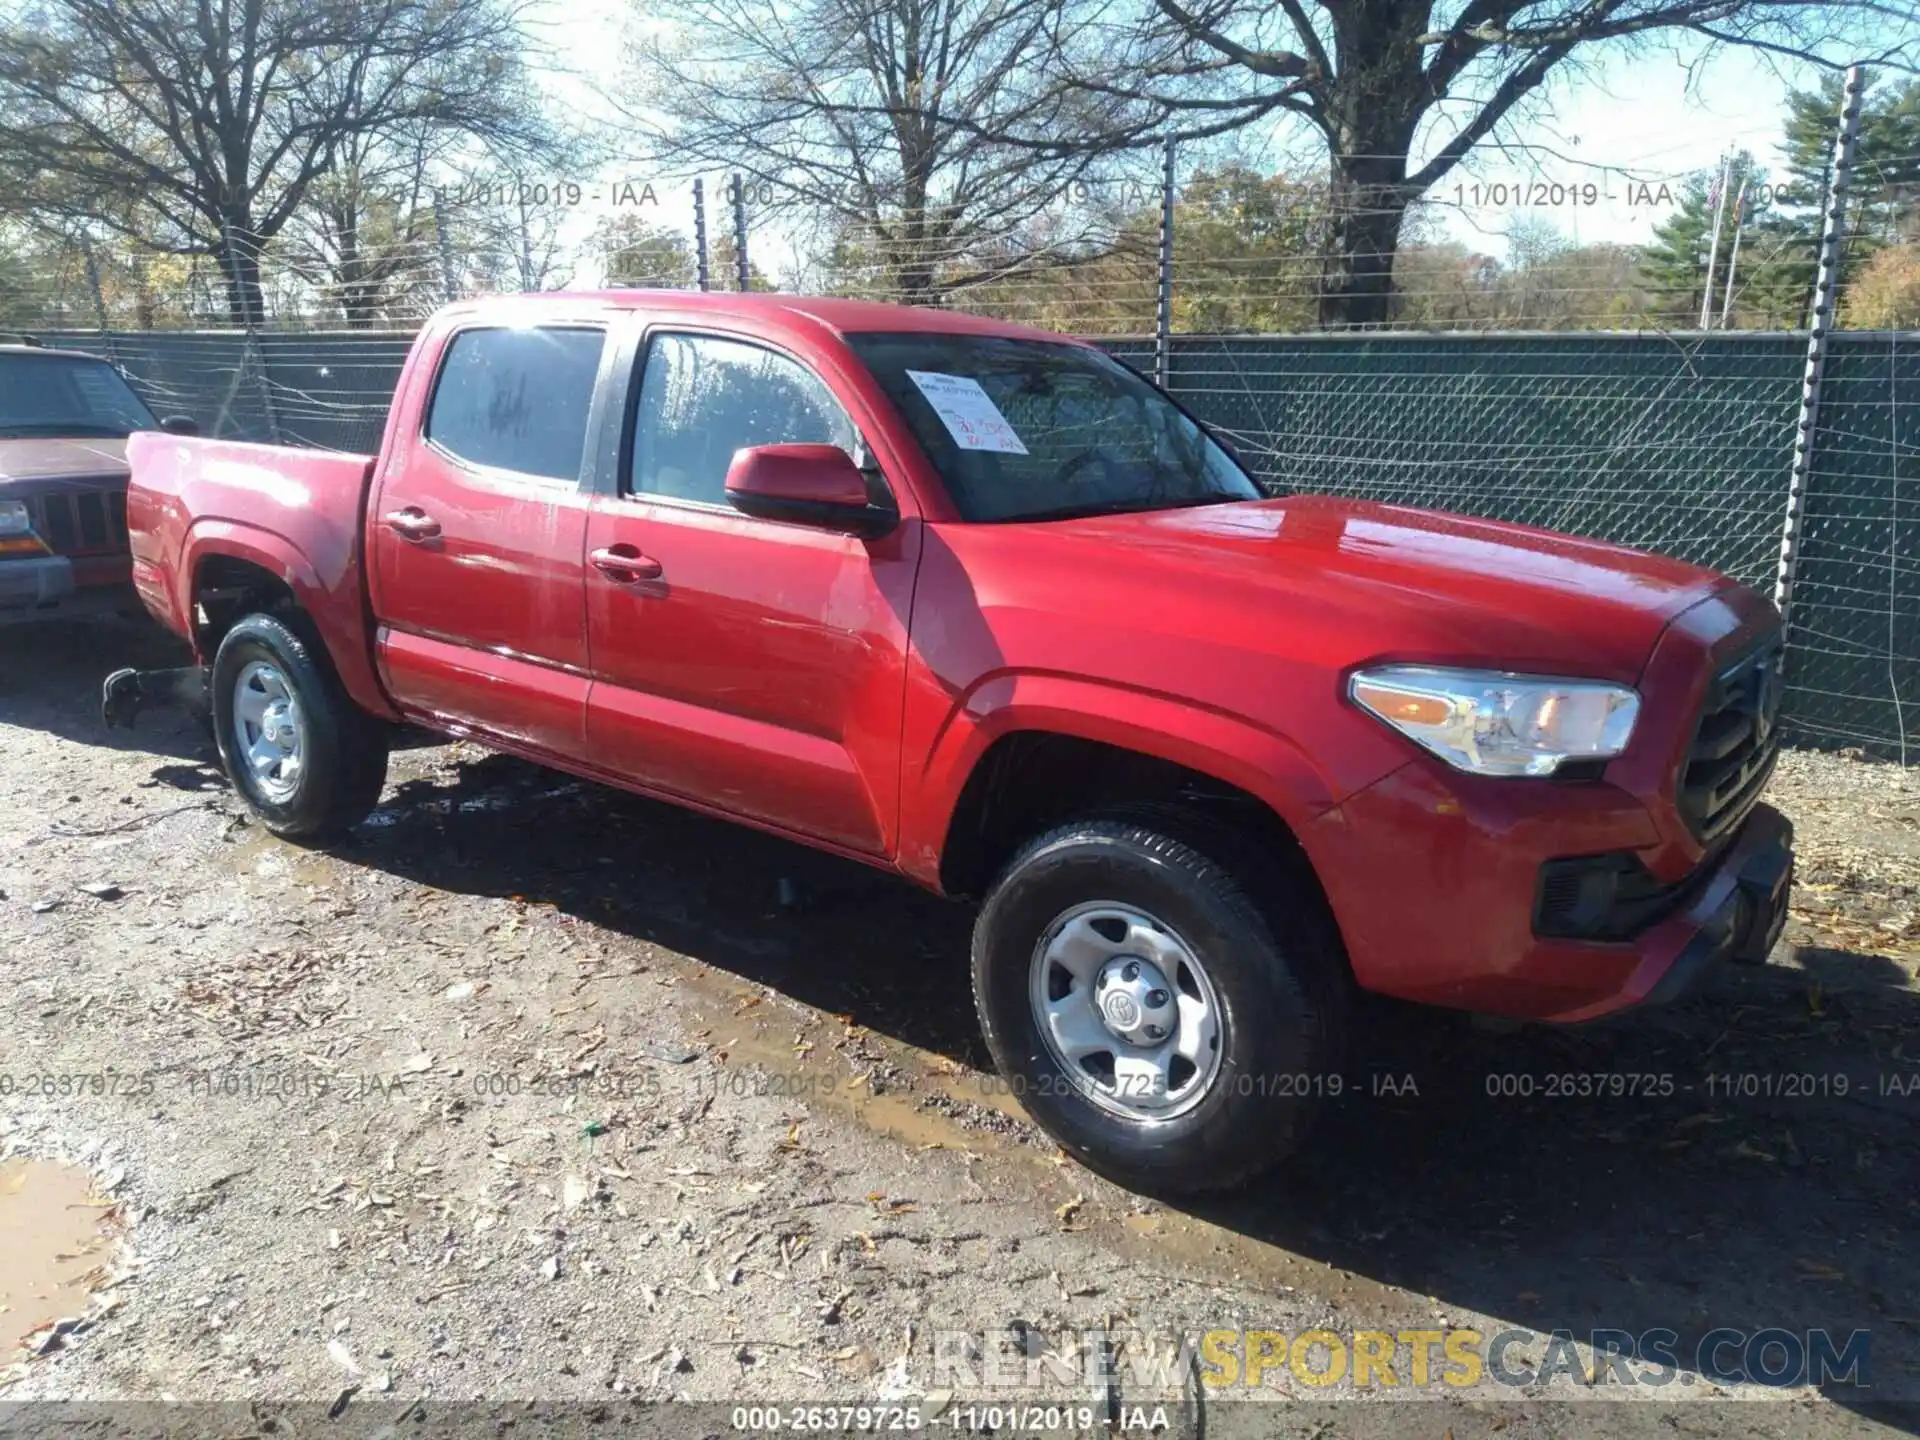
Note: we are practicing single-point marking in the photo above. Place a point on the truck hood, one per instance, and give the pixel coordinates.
(61, 459)
(1347, 582)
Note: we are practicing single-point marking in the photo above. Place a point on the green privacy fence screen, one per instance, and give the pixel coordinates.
(1673, 443)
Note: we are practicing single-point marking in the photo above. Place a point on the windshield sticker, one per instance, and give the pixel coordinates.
(968, 412)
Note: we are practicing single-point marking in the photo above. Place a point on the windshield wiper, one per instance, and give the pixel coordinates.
(1123, 507)
(62, 429)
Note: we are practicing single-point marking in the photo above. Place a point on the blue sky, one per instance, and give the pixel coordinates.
(1630, 117)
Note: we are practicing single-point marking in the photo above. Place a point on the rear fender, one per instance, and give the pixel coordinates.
(336, 608)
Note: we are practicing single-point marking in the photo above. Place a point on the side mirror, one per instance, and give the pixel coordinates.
(817, 485)
(180, 425)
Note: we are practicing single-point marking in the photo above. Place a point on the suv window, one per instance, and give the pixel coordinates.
(701, 399)
(66, 395)
(517, 399)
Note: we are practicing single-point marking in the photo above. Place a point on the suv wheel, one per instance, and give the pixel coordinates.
(1148, 1014)
(307, 760)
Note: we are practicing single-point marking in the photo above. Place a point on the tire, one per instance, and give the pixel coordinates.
(1274, 989)
(339, 751)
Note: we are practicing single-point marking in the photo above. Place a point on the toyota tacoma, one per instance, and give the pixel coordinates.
(978, 605)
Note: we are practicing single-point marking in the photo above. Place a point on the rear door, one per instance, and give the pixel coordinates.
(750, 665)
(476, 532)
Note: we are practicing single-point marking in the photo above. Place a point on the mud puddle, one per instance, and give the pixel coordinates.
(56, 1242)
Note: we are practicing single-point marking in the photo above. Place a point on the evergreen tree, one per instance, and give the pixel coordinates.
(1772, 271)
(1884, 201)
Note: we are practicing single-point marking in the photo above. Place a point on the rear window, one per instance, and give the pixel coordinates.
(517, 399)
(57, 395)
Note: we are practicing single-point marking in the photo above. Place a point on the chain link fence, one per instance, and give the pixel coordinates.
(1679, 444)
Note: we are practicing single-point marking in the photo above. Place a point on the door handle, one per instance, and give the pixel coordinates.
(412, 523)
(624, 565)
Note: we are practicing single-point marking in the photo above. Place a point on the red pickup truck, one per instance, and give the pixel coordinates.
(979, 605)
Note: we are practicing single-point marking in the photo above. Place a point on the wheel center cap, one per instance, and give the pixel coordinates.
(1135, 1001)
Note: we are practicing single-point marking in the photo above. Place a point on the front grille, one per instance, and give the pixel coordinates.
(81, 522)
(1735, 743)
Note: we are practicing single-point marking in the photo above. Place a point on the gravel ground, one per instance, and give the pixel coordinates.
(535, 1091)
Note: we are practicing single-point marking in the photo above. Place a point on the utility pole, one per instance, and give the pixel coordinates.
(740, 233)
(700, 233)
(1825, 290)
(1163, 307)
(1713, 246)
(449, 287)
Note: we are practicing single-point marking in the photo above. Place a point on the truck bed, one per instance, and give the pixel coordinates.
(297, 514)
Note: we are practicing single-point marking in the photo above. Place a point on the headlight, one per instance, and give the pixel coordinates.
(14, 519)
(1489, 723)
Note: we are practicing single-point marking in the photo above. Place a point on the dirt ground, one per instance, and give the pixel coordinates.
(538, 1092)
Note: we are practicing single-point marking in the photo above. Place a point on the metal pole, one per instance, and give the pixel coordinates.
(451, 291)
(740, 232)
(1713, 247)
(1163, 311)
(1733, 255)
(250, 345)
(700, 234)
(1825, 288)
(93, 283)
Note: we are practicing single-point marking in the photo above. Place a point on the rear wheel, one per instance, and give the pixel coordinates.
(307, 760)
(1167, 1031)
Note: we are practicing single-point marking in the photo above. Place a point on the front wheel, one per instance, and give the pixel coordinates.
(307, 760)
(1148, 1014)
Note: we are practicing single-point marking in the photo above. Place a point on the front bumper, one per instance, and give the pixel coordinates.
(1737, 916)
(1433, 879)
(30, 584)
(54, 587)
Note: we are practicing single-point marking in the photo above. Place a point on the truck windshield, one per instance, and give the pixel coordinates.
(66, 395)
(1029, 430)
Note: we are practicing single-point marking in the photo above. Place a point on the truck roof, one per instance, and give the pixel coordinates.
(839, 315)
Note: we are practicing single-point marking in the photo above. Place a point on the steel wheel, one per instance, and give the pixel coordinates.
(269, 730)
(1127, 1009)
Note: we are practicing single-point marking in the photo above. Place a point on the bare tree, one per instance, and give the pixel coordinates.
(1402, 90)
(364, 235)
(881, 120)
(217, 117)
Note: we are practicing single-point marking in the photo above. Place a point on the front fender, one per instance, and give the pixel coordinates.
(1259, 760)
(333, 602)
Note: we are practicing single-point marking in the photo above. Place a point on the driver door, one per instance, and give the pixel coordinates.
(750, 666)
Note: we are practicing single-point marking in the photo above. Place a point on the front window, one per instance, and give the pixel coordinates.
(1032, 430)
(59, 395)
(702, 398)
